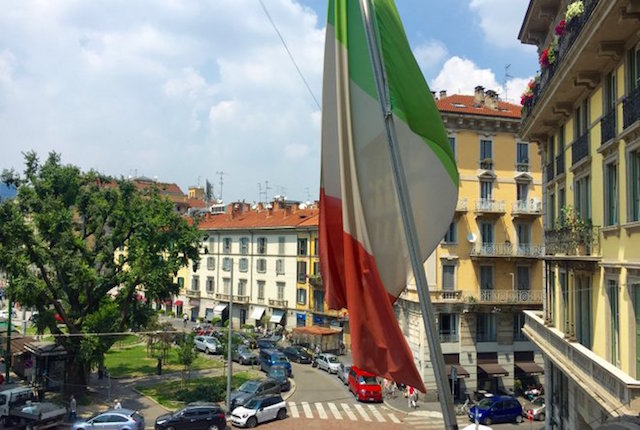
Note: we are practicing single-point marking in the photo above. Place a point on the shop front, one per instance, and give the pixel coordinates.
(490, 374)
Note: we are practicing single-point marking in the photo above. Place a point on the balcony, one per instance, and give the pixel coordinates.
(486, 164)
(580, 148)
(550, 172)
(573, 241)
(446, 296)
(241, 299)
(488, 206)
(488, 295)
(461, 205)
(507, 250)
(608, 126)
(631, 108)
(278, 303)
(600, 378)
(522, 166)
(222, 297)
(448, 337)
(560, 165)
(194, 294)
(526, 208)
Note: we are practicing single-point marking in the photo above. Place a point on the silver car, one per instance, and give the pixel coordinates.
(208, 344)
(113, 419)
(328, 362)
(343, 372)
(536, 409)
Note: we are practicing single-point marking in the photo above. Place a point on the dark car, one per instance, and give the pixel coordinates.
(194, 416)
(266, 343)
(298, 354)
(279, 374)
(251, 389)
(242, 355)
(496, 409)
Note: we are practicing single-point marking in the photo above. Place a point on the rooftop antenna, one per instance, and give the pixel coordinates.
(266, 190)
(506, 76)
(308, 194)
(221, 174)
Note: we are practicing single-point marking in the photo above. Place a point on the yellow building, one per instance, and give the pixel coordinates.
(487, 269)
(583, 111)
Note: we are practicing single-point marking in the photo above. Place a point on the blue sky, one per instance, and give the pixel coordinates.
(182, 90)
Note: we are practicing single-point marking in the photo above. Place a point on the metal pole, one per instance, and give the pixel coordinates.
(7, 359)
(408, 224)
(229, 361)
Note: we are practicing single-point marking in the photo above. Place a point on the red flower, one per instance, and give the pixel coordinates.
(559, 30)
(544, 58)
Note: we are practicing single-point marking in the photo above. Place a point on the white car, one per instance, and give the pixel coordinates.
(328, 362)
(208, 344)
(259, 410)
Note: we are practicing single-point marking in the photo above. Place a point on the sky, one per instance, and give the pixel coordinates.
(185, 91)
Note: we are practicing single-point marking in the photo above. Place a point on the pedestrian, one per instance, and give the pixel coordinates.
(72, 409)
(185, 318)
(117, 404)
(411, 392)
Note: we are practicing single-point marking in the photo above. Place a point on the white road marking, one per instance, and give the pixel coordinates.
(362, 412)
(376, 414)
(334, 410)
(294, 410)
(321, 411)
(307, 410)
(394, 419)
(347, 410)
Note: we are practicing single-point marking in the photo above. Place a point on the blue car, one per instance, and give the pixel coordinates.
(497, 409)
(273, 357)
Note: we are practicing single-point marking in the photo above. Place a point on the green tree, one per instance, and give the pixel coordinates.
(186, 355)
(83, 248)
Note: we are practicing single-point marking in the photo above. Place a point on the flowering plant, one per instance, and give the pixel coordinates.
(544, 58)
(527, 95)
(574, 9)
(559, 30)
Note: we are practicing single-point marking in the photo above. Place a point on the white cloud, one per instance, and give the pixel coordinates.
(500, 20)
(7, 63)
(430, 55)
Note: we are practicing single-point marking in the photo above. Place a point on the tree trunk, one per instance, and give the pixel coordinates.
(77, 376)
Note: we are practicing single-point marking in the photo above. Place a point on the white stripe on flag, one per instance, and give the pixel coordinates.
(394, 419)
(376, 414)
(362, 412)
(307, 410)
(347, 410)
(294, 410)
(321, 411)
(334, 410)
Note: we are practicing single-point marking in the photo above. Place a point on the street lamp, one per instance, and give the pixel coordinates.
(229, 361)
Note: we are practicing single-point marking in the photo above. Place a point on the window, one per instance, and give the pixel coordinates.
(581, 120)
(612, 285)
(448, 327)
(448, 277)
(261, 290)
(301, 297)
(242, 287)
(302, 271)
(210, 284)
(633, 69)
(261, 265)
(522, 191)
(211, 263)
(523, 278)
(315, 246)
(518, 324)
(522, 155)
(280, 287)
(551, 209)
(610, 93)
(181, 282)
(486, 188)
(262, 245)
(633, 187)
(302, 247)
(564, 306)
(562, 198)
(226, 245)
(583, 310)
(450, 237)
(582, 197)
(226, 264)
(226, 285)
(486, 233)
(243, 265)
(195, 283)
(280, 266)
(281, 245)
(611, 194)
(523, 231)
(244, 245)
(486, 277)
(318, 300)
(485, 150)
(452, 145)
(486, 328)
(316, 267)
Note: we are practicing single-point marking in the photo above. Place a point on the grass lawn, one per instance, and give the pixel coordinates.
(166, 392)
(133, 361)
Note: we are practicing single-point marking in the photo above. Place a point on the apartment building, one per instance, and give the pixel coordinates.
(583, 111)
(487, 269)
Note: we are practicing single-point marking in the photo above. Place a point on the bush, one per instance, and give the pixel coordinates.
(213, 392)
(248, 327)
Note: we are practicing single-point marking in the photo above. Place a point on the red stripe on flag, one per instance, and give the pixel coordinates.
(350, 272)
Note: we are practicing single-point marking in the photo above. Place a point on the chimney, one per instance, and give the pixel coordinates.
(443, 94)
(491, 99)
(433, 94)
(478, 96)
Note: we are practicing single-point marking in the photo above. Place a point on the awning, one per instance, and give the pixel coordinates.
(276, 316)
(493, 369)
(257, 313)
(529, 367)
(217, 311)
(178, 302)
(462, 372)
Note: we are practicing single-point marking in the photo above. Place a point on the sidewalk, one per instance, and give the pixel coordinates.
(401, 404)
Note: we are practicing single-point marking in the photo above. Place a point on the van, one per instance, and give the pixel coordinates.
(270, 357)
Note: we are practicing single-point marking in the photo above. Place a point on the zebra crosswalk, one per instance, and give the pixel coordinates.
(341, 411)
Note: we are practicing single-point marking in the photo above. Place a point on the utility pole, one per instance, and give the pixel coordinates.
(229, 343)
(7, 358)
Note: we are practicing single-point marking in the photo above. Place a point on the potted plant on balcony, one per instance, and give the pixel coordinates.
(574, 10)
(574, 230)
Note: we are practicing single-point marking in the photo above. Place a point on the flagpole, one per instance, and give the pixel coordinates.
(408, 224)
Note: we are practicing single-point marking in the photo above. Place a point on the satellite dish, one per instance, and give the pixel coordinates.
(471, 237)
(302, 206)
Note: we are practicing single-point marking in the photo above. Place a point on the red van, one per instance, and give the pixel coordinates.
(364, 385)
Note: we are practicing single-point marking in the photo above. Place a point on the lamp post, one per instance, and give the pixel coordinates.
(229, 361)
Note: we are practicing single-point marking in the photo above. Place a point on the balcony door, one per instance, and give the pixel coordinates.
(524, 237)
(636, 303)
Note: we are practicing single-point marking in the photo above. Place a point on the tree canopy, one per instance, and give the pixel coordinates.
(90, 253)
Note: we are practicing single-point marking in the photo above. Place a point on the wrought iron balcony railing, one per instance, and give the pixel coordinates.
(522, 166)
(631, 108)
(526, 207)
(560, 164)
(486, 164)
(608, 126)
(511, 296)
(507, 250)
(580, 241)
(550, 172)
(580, 148)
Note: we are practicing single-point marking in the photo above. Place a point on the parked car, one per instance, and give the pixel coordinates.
(343, 372)
(266, 343)
(251, 389)
(195, 416)
(208, 344)
(247, 339)
(242, 355)
(535, 409)
(328, 362)
(113, 419)
(496, 409)
(279, 374)
(364, 385)
(298, 354)
(259, 410)
(273, 357)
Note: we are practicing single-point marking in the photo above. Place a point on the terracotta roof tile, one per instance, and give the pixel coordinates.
(163, 187)
(464, 104)
(275, 218)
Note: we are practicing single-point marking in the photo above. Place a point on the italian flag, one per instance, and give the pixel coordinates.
(364, 255)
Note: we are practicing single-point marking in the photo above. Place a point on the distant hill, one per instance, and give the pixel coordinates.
(7, 192)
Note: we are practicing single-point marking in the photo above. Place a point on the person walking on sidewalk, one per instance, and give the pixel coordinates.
(72, 409)
(117, 404)
(411, 397)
